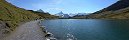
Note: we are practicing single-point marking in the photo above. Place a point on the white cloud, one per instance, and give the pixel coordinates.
(54, 2)
(39, 5)
(59, 9)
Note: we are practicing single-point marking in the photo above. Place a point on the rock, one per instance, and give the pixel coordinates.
(3, 29)
(51, 38)
(49, 34)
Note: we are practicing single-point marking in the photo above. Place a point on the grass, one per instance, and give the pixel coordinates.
(13, 15)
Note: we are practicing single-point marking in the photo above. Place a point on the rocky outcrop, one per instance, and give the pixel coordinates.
(4, 29)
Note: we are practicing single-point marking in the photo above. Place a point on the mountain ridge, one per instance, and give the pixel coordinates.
(111, 12)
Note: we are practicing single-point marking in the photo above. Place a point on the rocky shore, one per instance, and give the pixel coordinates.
(48, 35)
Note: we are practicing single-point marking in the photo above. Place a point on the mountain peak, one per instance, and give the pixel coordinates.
(40, 10)
(61, 12)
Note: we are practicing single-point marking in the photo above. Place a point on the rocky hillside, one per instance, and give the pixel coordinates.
(118, 10)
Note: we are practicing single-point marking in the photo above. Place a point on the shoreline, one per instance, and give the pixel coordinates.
(48, 35)
(31, 30)
(27, 31)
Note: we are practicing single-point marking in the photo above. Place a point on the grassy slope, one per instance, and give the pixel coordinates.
(119, 14)
(13, 15)
(118, 10)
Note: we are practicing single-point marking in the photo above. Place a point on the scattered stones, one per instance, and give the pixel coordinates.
(4, 29)
(49, 36)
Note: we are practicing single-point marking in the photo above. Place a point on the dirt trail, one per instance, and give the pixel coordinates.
(27, 31)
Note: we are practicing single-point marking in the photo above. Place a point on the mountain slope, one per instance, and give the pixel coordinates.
(11, 16)
(115, 11)
(118, 5)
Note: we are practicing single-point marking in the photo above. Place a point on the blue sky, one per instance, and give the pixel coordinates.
(67, 6)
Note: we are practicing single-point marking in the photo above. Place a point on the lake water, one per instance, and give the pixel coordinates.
(88, 29)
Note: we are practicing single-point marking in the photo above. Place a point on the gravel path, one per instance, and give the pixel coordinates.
(27, 31)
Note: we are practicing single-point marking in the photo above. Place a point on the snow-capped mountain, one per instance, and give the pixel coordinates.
(65, 16)
(59, 14)
(82, 14)
(62, 15)
(71, 15)
(78, 14)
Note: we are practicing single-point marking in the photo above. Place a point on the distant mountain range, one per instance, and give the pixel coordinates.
(44, 15)
(62, 15)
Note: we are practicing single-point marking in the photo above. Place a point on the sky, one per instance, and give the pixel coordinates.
(66, 6)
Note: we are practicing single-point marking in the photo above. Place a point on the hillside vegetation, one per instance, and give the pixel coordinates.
(11, 16)
(118, 10)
